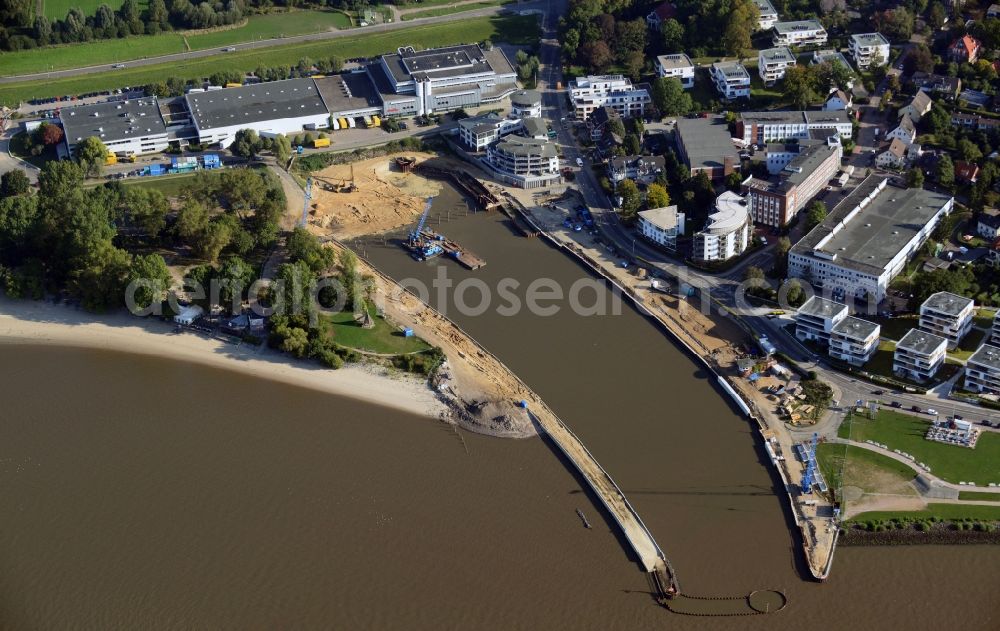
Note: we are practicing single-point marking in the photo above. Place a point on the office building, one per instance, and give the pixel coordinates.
(763, 127)
(777, 203)
(524, 162)
(867, 238)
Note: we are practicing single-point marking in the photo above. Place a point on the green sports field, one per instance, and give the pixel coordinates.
(130, 48)
(511, 29)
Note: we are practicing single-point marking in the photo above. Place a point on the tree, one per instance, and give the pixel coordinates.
(350, 280)
(734, 180)
(968, 151)
(43, 30)
(632, 145)
(51, 134)
(246, 144)
(596, 55)
(157, 13)
(919, 58)
(743, 21)
(799, 86)
(14, 182)
(833, 74)
(305, 246)
(281, 147)
(235, 276)
(657, 196)
(192, 220)
(915, 178)
(670, 98)
(936, 15)
(147, 209)
(91, 154)
(672, 34)
(152, 270)
(781, 249)
(897, 24)
(945, 171)
(753, 273)
(631, 199)
(815, 214)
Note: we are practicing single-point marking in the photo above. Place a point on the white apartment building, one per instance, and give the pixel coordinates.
(777, 126)
(816, 319)
(854, 340)
(731, 79)
(947, 315)
(995, 331)
(727, 232)
(919, 355)
(867, 238)
(982, 370)
(772, 64)
(662, 226)
(615, 91)
(524, 162)
(479, 132)
(768, 16)
(869, 49)
(905, 131)
(677, 66)
(799, 33)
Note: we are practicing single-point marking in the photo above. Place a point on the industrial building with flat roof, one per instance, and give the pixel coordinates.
(133, 126)
(764, 127)
(777, 203)
(867, 238)
(704, 144)
(278, 107)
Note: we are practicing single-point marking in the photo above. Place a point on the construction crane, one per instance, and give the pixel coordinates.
(810, 473)
(305, 204)
(415, 235)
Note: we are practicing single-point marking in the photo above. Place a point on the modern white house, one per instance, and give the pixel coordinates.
(677, 66)
(479, 132)
(982, 370)
(817, 317)
(799, 33)
(947, 315)
(727, 232)
(615, 91)
(995, 330)
(867, 238)
(768, 16)
(662, 226)
(526, 103)
(988, 226)
(869, 50)
(854, 340)
(731, 79)
(772, 64)
(919, 355)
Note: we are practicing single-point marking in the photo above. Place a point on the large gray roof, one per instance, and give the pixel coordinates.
(878, 232)
(707, 141)
(988, 356)
(518, 146)
(348, 91)
(798, 25)
(291, 98)
(818, 307)
(775, 117)
(921, 342)
(450, 61)
(113, 120)
(526, 98)
(947, 303)
(855, 327)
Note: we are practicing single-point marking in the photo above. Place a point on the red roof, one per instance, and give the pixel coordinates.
(966, 171)
(665, 11)
(969, 44)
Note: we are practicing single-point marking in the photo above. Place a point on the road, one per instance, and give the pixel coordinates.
(313, 37)
(722, 288)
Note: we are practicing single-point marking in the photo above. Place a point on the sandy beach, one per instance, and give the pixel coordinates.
(30, 322)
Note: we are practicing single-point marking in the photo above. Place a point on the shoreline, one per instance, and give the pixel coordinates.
(35, 322)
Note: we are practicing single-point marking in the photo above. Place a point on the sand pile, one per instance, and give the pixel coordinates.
(384, 198)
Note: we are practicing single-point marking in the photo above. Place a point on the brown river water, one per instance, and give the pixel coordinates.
(141, 493)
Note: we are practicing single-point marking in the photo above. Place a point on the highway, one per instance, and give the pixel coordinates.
(267, 43)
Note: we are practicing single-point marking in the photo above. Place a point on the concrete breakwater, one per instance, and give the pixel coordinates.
(818, 560)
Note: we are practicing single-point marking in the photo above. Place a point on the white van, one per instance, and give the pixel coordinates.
(579, 162)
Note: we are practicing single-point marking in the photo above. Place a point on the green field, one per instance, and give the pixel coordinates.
(979, 496)
(382, 338)
(510, 29)
(948, 462)
(472, 6)
(940, 511)
(847, 465)
(57, 9)
(130, 48)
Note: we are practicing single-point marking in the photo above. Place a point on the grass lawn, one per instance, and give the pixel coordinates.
(57, 9)
(969, 345)
(382, 338)
(948, 462)
(896, 328)
(881, 361)
(472, 6)
(143, 46)
(984, 318)
(513, 29)
(979, 496)
(847, 465)
(169, 185)
(940, 511)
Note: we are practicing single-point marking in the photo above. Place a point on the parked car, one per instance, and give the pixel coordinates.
(932, 411)
(916, 408)
(878, 393)
(896, 404)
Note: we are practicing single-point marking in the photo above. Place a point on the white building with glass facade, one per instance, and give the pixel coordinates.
(947, 315)
(662, 226)
(854, 340)
(727, 232)
(817, 317)
(919, 355)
